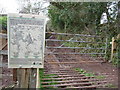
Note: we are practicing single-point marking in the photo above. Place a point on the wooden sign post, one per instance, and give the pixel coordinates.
(38, 79)
(26, 41)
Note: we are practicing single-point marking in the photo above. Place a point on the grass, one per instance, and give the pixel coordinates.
(115, 59)
(41, 73)
(81, 71)
(70, 44)
(100, 77)
(111, 86)
(50, 74)
(42, 76)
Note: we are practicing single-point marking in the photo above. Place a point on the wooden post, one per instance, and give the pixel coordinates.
(24, 78)
(22, 83)
(33, 74)
(113, 48)
(15, 74)
(38, 79)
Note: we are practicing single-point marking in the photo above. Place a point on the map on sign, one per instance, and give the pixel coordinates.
(26, 41)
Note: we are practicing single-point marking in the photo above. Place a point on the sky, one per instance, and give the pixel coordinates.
(10, 6)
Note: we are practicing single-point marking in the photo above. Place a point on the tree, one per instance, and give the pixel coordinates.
(33, 7)
(118, 14)
(111, 28)
(2, 10)
(3, 22)
(76, 17)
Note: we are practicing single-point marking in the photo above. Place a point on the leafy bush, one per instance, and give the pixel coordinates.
(3, 22)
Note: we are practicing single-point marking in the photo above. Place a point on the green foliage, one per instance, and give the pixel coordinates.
(116, 55)
(3, 22)
(50, 75)
(89, 47)
(76, 17)
(115, 59)
(110, 86)
(100, 77)
(82, 17)
(81, 71)
(70, 44)
(42, 76)
(41, 73)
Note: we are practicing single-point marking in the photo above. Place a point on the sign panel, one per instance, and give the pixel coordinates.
(26, 38)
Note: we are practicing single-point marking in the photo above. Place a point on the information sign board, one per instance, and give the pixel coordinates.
(26, 40)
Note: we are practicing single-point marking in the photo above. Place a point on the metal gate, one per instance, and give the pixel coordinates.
(63, 44)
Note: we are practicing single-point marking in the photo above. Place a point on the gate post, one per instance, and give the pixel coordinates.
(118, 46)
(113, 48)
